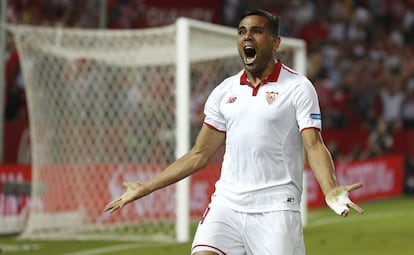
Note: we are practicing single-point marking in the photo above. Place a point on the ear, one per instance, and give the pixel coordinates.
(276, 43)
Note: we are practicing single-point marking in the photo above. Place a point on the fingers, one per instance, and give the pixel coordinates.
(354, 186)
(109, 207)
(339, 202)
(356, 208)
(352, 205)
(122, 200)
(114, 205)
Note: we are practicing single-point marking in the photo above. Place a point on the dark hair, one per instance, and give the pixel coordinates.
(273, 20)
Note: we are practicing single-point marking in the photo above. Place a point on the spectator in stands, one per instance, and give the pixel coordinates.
(365, 93)
(408, 105)
(409, 175)
(357, 153)
(392, 98)
(335, 150)
(315, 32)
(15, 107)
(380, 140)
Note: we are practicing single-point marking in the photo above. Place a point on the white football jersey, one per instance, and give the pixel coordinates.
(263, 164)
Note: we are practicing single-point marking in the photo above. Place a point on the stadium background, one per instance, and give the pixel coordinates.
(360, 59)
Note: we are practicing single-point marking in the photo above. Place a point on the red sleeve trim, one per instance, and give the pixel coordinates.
(310, 128)
(212, 127)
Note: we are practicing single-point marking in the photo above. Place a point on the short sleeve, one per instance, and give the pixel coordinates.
(308, 113)
(214, 118)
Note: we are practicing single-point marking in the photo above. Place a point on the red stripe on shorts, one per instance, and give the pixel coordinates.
(209, 246)
(204, 214)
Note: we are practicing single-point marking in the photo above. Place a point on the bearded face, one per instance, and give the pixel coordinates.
(256, 43)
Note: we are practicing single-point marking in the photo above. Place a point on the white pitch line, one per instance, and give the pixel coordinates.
(356, 218)
(113, 248)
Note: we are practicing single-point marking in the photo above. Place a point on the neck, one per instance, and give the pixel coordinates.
(256, 78)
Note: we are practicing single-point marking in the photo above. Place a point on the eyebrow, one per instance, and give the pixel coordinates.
(252, 27)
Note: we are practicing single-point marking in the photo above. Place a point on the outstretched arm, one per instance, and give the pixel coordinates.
(320, 161)
(207, 143)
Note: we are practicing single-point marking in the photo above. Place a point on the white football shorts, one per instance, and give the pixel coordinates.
(228, 232)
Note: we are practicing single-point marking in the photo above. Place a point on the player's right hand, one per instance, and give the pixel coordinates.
(134, 190)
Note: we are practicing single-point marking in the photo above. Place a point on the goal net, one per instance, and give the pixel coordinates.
(108, 106)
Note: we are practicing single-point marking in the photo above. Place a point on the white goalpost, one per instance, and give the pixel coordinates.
(108, 106)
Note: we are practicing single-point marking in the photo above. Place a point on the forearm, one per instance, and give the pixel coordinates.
(207, 143)
(321, 163)
(181, 168)
(320, 160)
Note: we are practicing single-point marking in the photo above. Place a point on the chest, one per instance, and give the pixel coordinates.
(265, 104)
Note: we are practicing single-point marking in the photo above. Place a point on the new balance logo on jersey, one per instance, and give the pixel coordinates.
(271, 96)
(231, 100)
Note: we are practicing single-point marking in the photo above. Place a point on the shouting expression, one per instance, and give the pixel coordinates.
(256, 44)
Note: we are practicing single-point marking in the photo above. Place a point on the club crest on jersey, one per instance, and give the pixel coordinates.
(231, 100)
(271, 96)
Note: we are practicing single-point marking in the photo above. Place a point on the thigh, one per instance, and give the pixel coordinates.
(274, 233)
(219, 231)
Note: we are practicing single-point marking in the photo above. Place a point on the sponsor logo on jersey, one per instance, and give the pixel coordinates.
(231, 100)
(316, 116)
(271, 96)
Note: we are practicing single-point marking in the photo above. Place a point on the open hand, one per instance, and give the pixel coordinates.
(338, 200)
(134, 190)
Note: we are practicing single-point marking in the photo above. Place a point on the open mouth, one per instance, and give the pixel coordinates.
(249, 55)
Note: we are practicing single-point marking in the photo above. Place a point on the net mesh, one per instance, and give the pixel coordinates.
(102, 111)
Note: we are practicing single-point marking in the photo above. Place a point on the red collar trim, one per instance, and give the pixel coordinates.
(273, 77)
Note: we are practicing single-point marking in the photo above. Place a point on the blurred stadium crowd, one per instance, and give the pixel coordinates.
(360, 57)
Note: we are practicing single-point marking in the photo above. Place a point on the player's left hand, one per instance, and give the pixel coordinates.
(338, 199)
(134, 190)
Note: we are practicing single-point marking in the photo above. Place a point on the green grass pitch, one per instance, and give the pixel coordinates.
(387, 227)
